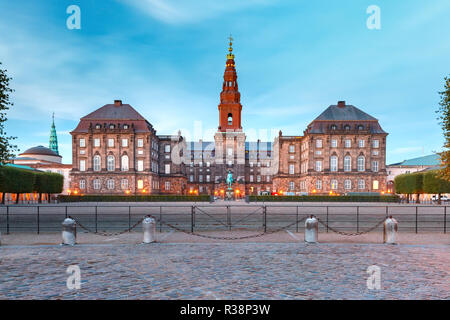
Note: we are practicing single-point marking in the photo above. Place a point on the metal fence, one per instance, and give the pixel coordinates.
(197, 218)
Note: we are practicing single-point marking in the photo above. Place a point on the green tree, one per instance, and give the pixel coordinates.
(409, 183)
(434, 184)
(444, 121)
(6, 148)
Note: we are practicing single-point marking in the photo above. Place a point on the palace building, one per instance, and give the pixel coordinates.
(117, 151)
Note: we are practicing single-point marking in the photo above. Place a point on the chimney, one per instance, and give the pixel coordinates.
(341, 104)
(117, 103)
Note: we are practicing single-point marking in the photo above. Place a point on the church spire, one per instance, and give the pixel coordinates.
(230, 99)
(53, 145)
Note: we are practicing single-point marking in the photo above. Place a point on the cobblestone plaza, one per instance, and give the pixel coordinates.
(225, 271)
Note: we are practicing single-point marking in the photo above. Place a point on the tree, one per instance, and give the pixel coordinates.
(409, 183)
(434, 184)
(444, 121)
(6, 149)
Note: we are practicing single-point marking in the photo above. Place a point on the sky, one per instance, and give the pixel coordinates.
(166, 58)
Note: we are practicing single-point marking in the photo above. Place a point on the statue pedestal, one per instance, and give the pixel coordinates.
(229, 194)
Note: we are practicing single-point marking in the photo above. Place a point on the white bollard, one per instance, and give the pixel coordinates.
(149, 228)
(390, 231)
(311, 230)
(69, 233)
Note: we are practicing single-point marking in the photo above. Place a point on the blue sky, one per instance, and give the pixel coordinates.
(166, 58)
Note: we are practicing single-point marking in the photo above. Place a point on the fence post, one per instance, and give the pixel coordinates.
(265, 218)
(229, 218)
(129, 218)
(357, 218)
(387, 211)
(327, 219)
(445, 219)
(297, 220)
(417, 213)
(192, 218)
(160, 219)
(96, 219)
(66, 211)
(38, 220)
(7, 219)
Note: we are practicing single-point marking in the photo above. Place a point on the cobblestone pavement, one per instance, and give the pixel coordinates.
(225, 271)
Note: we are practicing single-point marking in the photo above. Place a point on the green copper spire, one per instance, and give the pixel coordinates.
(53, 145)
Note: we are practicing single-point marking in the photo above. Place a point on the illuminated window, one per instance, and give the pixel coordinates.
(124, 184)
(375, 185)
(334, 184)
(140, 184)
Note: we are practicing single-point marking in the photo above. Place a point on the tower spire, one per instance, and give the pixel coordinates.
(53, 143)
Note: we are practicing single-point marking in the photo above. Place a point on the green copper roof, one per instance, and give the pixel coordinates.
(53, 145)
(431, 160)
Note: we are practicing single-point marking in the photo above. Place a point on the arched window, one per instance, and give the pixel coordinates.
(110, 184)
(97, 184)
(361, 164)
(124, 163)
(347, 164)
(333, 127)
(334, 163)
(347, 184)
(334, 184)
(110, 163)
(347, 127)
(97, 163)
(230, 119)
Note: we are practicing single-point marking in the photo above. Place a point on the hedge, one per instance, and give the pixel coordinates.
(131, 198)
(15, 180)
(433, 184)
(324, 198)
(47, 182)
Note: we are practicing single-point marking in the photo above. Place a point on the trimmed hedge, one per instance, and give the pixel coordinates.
(324, 198)
(15, 180)
(47, 182)
(132, 198)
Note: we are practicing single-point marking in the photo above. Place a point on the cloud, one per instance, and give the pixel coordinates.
(182, 11)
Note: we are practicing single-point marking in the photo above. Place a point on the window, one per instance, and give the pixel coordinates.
(361, 184)
(376, 143)
(333, 164)
(318, 165)
(258, 178)
(111, 126)
(319, 184)
(251, 164)
(291, 149)
(347, 164)
(125, 126)
(230, 151)
(140, 152)
(98, 126)
(97, 184)
(333, 127)
(82, 165)
(267, 178)
(97, 164)
(124, 184)
(361, 164)
(347, 184)
(334, 184)
(334, 143)
(111, 143)
(291, 169)
(96, 142)
(348, 143)
(230, 163)
(140, 143)
(110, 163)
(167, 185)
(361, 143)
(208, 178)
(82, 184)
(291, 185)
(124, 142)
(140, 165)
(375, 152)
(82, 151)
(319, 143)
(167, 148)
(375, 166)
(251, 178)
(125, 163)
(140, 184)
(191, 178)
(167, 168)
(375, 185)
(347, 127)
(230, 119)
(208, 164)
(82, 143)
(200, 178)
(110, 184)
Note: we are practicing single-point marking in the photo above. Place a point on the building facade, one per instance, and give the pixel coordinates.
(116, 150)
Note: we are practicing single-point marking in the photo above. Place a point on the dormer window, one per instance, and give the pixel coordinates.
(125, 126)
(111, 126)
(98, 126)
(347, 127)
(360, 127)
(333, 127)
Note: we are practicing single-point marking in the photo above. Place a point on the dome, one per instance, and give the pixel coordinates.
(40, 150)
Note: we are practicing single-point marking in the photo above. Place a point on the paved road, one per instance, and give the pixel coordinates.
(226, 271)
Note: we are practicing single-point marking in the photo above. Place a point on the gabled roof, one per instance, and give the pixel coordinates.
(114, 112)
(347, 112)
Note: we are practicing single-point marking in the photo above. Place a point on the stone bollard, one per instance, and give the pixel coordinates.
(390, 228)
(149, 227)
(311, 229)
(69, 233)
